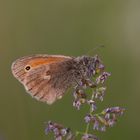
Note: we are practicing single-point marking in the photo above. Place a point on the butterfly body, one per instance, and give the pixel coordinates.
(47, 77)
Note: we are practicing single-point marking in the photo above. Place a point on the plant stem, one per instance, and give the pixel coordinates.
(90, 112)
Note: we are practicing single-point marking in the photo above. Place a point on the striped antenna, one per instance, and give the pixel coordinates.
(90, 52)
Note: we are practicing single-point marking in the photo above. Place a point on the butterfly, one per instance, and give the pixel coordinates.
(47, 77)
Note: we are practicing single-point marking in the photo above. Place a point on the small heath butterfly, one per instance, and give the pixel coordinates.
(47, 77)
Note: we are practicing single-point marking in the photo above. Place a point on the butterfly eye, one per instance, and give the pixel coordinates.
(27, 68)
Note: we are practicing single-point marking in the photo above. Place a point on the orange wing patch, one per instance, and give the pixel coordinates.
(49, 60)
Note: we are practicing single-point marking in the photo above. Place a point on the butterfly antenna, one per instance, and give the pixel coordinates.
(90, 52)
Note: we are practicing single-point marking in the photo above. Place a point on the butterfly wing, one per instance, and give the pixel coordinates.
(43, 76)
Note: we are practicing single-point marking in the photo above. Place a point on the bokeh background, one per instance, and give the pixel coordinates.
(70, 27)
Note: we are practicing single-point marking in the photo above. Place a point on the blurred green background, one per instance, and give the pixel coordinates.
(70, 27)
